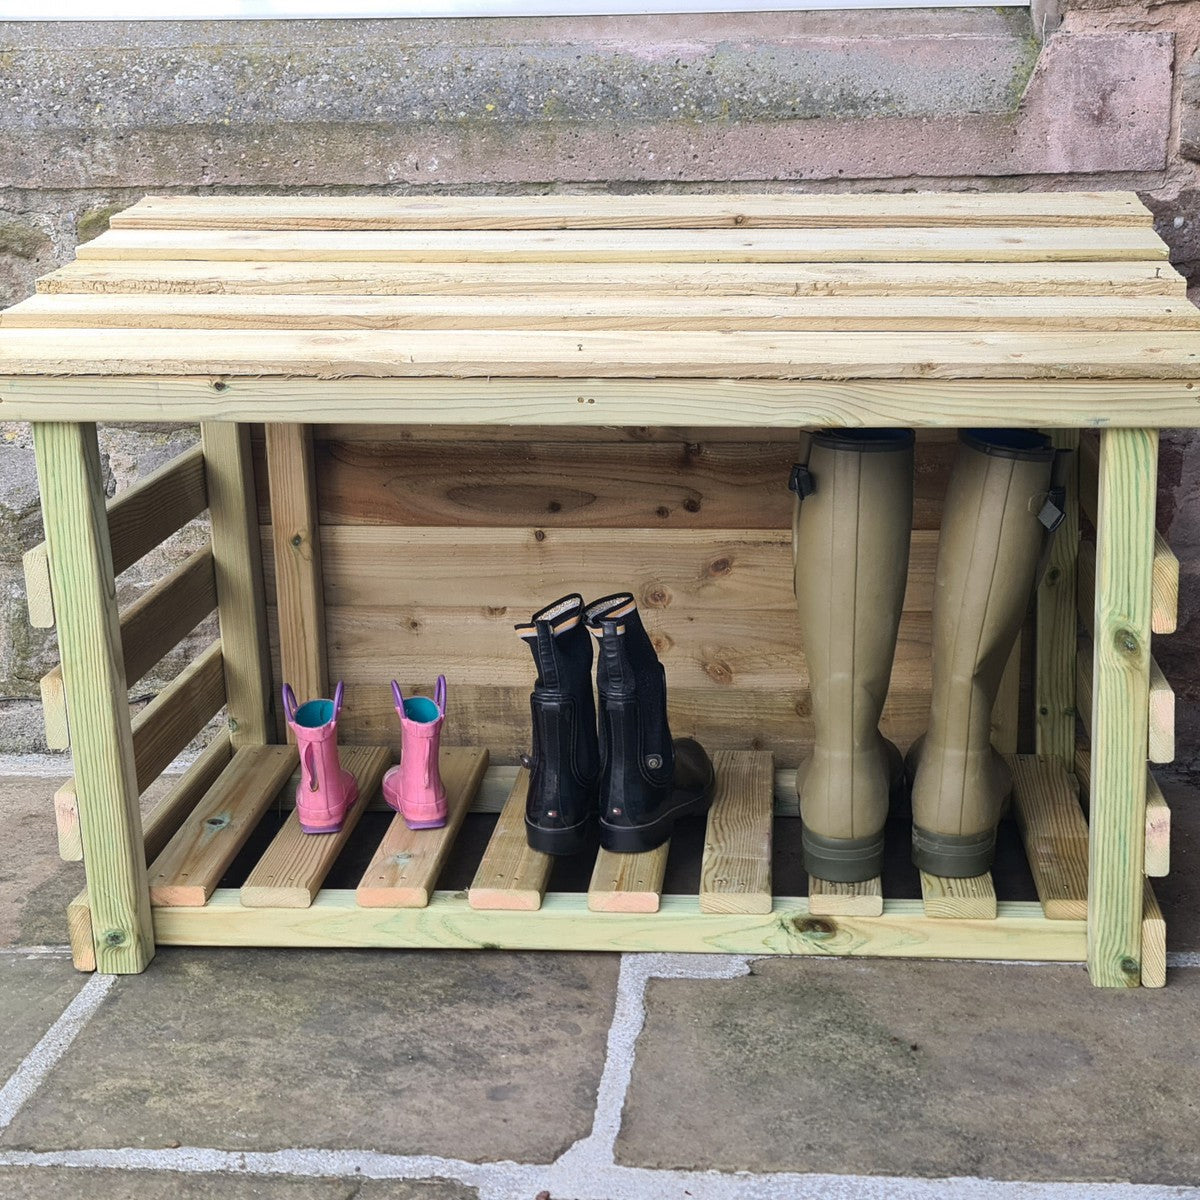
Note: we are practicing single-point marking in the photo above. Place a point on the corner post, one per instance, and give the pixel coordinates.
(89, 638)
(1120, 704)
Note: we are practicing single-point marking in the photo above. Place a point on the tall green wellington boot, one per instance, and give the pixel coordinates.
(851, 534)
(999, 506)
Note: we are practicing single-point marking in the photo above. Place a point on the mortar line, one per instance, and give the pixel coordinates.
(54, 1043)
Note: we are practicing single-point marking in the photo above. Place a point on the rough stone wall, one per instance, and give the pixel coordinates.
(94, 116)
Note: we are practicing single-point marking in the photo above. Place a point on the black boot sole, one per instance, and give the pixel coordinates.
(574, 839)
(637, 839)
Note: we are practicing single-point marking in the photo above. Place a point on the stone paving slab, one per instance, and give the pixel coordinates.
(33, 993)
(476, 1056)
(926, 1069)
(39, 1183)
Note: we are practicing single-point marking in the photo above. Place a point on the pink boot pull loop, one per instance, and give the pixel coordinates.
(325, 792)
(414, 788)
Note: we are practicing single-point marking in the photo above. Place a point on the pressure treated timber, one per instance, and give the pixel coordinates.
(609, 311)
(966, 899)
(1054, 832)
(591, 401)
(735, 869)
(1164, 588)
(163, 822)
(294, 866)
(190, 867)
(1120, 703)
(1154, 941)
(1152, 277)
(774, 210)
(405, 869)
(511, 876)
(598, 354)
(152, 625)
(1054, 641)
(826, 899)
(1014, 243)
(628, 883)
(297, 560)
(1160, 712)
(237, 558)
(1019, 932)
(79, 933)
(139, 518)
(81, 564)
(1158, 816)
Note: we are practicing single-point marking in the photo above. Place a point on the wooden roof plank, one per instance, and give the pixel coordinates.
(1138, 278)
(607, 211)
(930, 313)
(923, 244)
(602, 354)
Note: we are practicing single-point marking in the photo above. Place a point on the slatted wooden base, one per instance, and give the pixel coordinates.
(396, 904)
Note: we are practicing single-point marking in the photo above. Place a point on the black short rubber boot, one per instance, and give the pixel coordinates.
(647, 779)
(564, 766)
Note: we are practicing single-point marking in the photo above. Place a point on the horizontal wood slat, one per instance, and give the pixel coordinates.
(1055, 834)
(776, 210)
(404, 870)
(972, 899)
(735, 869)
(150, 628)
(1160, 734)
(511, 875)
(1158, 815)
(616, 312)
(141, 517)
(587, 355)
(1015, 243)
(193, 862)
(628, 883)
(294, 865)
(827, 899)
(1164, 586)
(1150, 278)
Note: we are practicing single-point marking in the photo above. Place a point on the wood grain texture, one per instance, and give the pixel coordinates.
(1055, 834)
(79, 933)
(1120, 703)
(1158, 816)
(628, 883)
(966, 899)
(609, 311)
(297, 560)
(294, 865)
(741, 211)
(194, 860)
(1055, 621)
(1015, 243)
(237, 558)
(404, 870)
(826, 899)
(1153, 277)
(1019, 932)
(151, 627)
(81, 563)
(591, 354)
(39, 596)
(1164, 587)
(66, 822)
(1154, 941)
(510, 875)
(735, 870)
(589, 402)
(163, 822)
(1161, 719)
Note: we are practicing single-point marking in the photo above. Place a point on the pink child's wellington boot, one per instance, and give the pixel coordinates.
(325, 792)
(414, 788)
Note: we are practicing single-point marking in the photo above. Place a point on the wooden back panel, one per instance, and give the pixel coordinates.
(436, 542)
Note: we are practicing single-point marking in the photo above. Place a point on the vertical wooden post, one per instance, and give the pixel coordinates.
(89, 639)
(298, 577)
(237, 560)
(1054, 671)
(1120, 704)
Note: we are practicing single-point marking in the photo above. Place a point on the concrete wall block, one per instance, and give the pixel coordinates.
(508, 102)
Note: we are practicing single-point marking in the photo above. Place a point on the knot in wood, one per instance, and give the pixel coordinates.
(114, 937)
(1126, 641)
(814, 927)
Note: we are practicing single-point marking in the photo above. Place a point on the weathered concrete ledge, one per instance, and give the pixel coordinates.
(785, 97)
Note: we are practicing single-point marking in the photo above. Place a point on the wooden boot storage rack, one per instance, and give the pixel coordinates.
(423, 418)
